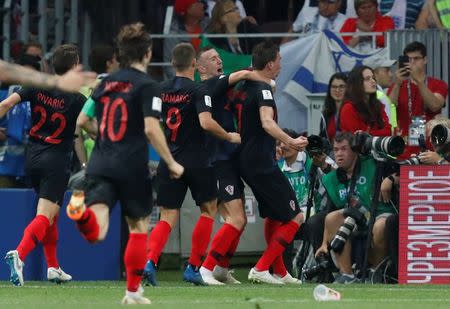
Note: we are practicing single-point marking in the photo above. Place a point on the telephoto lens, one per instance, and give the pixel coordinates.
(440, 135)
(411, 161)
(348, 227)
(391, 145)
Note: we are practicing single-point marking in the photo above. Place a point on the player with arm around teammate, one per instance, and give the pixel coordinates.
(215, 268)
(257, 123)
(187, 118)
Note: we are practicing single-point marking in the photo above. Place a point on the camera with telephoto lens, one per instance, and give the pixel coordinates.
(318, 145)
(415, 160)
(440, 135)
(353, 219)
(323, 266)
(365, 143)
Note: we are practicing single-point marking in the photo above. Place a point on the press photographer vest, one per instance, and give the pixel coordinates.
(299, 178)
(338, 191)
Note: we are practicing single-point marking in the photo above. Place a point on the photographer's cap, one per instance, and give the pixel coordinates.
(377, 62)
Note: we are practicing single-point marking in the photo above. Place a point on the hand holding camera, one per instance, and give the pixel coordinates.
(353, 219)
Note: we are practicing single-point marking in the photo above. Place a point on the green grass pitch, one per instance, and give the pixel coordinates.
(173, 293)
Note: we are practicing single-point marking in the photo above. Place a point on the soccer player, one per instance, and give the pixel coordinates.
(187, 116)
(257, 123)
(214, 270)
(48, 158)
(71, 81)
(128, 110)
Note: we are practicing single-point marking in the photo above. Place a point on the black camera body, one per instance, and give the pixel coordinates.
(322, 269)
(318, 145)
(353, 219)
(365, 143)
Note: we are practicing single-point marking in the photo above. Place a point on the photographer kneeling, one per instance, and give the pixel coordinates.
(350, 191)
(304, 170)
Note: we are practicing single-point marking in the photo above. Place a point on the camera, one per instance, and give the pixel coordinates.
(440, 135)
(323, 267)
(364, 143)
(317, 145)
(353, 219)
(411, 161)
(416, 160)
(339, 240)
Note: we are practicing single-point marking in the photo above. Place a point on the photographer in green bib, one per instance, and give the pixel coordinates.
(350, 191)
(304, 170)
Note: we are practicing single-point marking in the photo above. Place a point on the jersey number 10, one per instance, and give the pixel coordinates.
(109, 112)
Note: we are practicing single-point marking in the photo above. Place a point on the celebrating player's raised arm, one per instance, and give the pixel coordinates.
(71, 81)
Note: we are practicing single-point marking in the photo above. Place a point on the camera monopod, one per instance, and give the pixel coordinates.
(376, 193)
(303, 254)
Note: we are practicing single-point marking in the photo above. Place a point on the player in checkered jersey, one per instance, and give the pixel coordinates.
(215, 268)
(257, 123)
(128, 108)
(186, 112)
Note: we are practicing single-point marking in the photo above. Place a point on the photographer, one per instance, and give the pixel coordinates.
(304, 170)
(432, 150)
(350, 191)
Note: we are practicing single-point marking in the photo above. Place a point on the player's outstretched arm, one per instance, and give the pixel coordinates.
(237, 76)
(272, 128)
(156, 137)
(71, 81)
(9, 103)
(209, 124)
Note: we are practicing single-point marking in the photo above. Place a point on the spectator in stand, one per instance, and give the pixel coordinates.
(333, 101)
(369, 20)
(404, 12)
(34, 48)
(362, 111)
(416, 94)
(383, 75)
(239, 5)
(189, 18)
(14, 129)
(325, 16)
(226, 19)
(434, 15)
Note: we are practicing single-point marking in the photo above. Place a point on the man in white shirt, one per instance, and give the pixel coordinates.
(325, 16)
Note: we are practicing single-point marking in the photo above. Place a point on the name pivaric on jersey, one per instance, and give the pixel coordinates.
(182, 101)
(54, 114)
(122, 100)
(222, 111)
(257, 148)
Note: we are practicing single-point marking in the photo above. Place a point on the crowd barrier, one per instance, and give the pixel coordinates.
(78, 258)
(424, 241)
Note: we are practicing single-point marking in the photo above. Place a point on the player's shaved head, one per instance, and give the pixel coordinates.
(182, 56)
